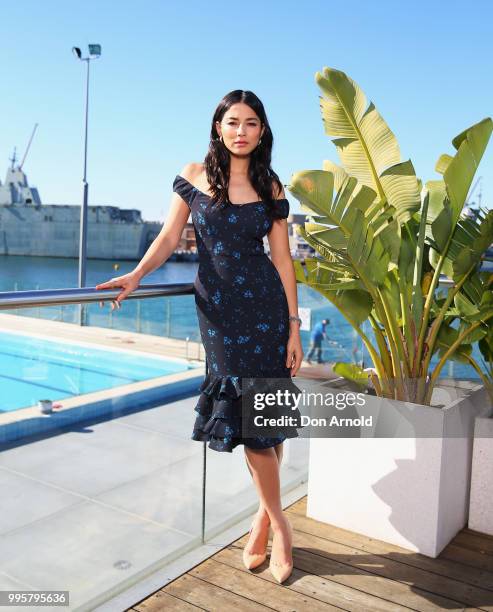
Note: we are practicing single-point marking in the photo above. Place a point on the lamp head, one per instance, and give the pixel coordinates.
(76, 51)
(95, 50)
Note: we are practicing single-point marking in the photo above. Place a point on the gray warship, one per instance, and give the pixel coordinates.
(29, 227)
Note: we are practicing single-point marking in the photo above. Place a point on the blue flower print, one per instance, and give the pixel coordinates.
(218, 248)
(242, 312)
(228, 433)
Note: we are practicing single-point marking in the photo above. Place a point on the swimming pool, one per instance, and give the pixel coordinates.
(34, 368)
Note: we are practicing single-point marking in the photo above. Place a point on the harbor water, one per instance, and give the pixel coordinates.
(173, 316)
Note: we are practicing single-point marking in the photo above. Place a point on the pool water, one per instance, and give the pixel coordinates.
(33, 368)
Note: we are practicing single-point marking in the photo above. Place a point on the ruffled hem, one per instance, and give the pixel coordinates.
(219, 420)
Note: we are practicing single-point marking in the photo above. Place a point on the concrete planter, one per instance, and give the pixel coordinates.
(410, 491)
(481, 501)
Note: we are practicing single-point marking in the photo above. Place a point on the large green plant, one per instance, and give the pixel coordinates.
(384, 240)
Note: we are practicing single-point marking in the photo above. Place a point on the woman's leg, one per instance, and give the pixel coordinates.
(262, 515)
(264, 465)
(262, 521)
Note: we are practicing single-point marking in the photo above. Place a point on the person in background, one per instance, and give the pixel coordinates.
(317, 335)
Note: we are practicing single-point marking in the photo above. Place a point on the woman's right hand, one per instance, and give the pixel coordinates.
(128, 282)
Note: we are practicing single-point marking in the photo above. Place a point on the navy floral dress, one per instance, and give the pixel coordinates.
(242, 311)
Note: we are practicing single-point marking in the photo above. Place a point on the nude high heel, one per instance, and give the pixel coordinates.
(282, 571)
(253, 560)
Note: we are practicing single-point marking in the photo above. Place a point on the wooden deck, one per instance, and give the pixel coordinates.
(335, 569)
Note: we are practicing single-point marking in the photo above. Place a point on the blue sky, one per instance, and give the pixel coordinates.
(165, 65)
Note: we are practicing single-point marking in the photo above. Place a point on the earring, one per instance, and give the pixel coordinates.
(259, 141)
(221, 138)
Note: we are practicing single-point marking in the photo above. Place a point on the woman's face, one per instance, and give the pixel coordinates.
(240, 128)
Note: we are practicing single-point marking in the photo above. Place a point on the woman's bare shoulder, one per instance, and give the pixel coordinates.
(192, 170)
(277, 194)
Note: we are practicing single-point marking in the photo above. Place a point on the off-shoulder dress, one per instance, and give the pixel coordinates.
(242, 311)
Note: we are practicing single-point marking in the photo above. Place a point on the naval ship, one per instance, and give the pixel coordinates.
(29, 227)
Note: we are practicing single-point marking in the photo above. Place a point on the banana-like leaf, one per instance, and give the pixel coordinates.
(475, 237)
(353, 239)
(391, 239)
(325, 251)
(443, 227)
(367, 147)
(475, 336)
(351, 372)
(340, 175)
(486, 346)
(465, 307)
(357, 304)
(448, 335)
(322, 278)
(460, 355)
(343, 284)
(468, 242)
(443, 162)
(451, 232)
(365, 143)
(367, 252)
(402, 190)
(333, 237)
(314, 190)
(437, 197)
(459, 173)
(447, 268)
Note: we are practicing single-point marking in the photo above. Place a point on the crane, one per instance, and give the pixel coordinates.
(28, 146)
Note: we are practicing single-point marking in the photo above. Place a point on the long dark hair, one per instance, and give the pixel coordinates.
(217, 160)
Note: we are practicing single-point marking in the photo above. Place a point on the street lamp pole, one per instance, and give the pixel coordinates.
(94, 53)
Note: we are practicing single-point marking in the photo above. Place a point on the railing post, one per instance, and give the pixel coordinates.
(168, 315)
(204, 473)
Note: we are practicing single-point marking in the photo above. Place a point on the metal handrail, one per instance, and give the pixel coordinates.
(52, 297)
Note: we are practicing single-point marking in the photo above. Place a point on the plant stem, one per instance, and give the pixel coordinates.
(417, 297)
(488, 383)
(435, 328)
(395, 346)
(450, 351)
(427, 309)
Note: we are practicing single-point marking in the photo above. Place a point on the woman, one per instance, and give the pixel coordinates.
(246, 303)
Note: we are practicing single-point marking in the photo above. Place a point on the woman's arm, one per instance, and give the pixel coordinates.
(168, 238)
(280, 255)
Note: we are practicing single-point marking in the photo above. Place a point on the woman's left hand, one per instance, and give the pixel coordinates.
(295, 353)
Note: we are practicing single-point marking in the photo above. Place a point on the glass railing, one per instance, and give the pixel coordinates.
(102, 484)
